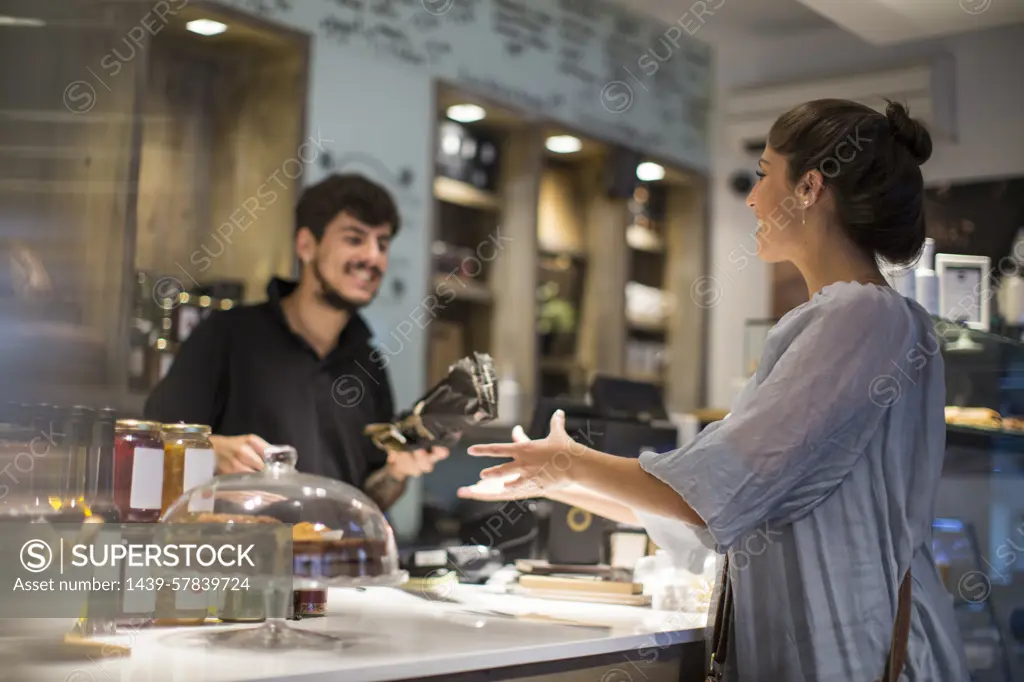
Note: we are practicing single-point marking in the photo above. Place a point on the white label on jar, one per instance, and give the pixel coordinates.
(190, 596)
(141, 598)
(199, 467)
(147, 478)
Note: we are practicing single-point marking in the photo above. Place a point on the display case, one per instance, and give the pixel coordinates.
(980, 506)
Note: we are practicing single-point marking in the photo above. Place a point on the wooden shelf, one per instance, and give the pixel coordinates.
(648, 378)
(472, 292)
(554, 253)
(658, 250)
(647, 327)
(561, 365)
(644, 240)
(464, 194)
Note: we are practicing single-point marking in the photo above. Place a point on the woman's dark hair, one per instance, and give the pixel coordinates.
(363, 199)
(870, 161)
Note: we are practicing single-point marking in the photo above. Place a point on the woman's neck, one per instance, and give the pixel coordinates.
(826, 263)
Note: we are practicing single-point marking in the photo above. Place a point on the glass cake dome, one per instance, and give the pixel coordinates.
(340, 537)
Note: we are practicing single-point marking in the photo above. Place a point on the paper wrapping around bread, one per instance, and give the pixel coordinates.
(1013, 424)
(978, 417)
(468, 396)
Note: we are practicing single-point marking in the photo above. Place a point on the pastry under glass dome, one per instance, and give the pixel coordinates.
(340, 538)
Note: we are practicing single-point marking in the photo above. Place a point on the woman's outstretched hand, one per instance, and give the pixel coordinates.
(537, 466)
(493, 489)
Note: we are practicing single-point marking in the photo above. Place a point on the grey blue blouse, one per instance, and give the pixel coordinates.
(821, 484)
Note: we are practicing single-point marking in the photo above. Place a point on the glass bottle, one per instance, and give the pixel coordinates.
(161, 352)
(138, 470)
(188, 460)
(142, 327)
(99, 493)
(75, 458)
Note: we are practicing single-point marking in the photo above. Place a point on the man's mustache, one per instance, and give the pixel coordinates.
(374, 270)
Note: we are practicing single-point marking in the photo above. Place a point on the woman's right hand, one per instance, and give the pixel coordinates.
(493, 489)
(238, 454)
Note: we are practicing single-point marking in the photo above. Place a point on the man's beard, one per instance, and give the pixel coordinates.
(331, 296)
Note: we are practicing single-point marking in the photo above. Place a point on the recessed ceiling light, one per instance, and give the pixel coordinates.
(466, 113)
(563, 144)
(650, 172)
(21, 21)
(206, 27)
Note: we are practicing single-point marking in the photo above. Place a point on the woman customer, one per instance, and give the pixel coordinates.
(820, 485)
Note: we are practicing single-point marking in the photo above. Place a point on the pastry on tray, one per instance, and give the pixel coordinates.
(976, 417)
(319, 552)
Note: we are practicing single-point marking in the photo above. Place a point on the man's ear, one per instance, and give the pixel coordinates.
(305, 245)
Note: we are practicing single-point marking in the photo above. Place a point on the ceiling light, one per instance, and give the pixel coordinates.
(466, 113)
(563, 144)
(206, 27)
(650, 172)
(21, 21)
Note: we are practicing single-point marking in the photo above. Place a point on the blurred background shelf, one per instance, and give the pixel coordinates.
(464, 194)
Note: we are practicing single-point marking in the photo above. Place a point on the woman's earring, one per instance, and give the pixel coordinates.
(803, 214)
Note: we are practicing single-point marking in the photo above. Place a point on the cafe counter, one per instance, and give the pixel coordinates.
(473, 634)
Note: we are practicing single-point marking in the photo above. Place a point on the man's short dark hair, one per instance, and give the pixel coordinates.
(360, 197)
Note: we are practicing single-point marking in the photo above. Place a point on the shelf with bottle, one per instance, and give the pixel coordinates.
(463, 194)
(163, 318)
(468, 164)
(63, 456)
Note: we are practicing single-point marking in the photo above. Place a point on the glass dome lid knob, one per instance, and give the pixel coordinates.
(281, 455)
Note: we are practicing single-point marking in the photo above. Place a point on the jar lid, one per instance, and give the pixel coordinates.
(202, 429)
(136, 425)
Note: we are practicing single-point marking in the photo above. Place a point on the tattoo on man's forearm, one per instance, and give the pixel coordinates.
(384, 489)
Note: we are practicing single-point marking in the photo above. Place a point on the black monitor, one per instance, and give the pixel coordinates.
(626, 399)
(630, 438)
(582, 422)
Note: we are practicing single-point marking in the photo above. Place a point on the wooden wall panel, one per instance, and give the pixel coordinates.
(221, 167)
(258, 127)
(173, 209)
(514, 279)
(603, 318)
(686, 242)
(560, 228)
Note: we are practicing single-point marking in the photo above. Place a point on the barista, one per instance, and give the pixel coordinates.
(299, 369)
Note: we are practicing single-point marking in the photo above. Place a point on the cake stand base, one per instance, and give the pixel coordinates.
(276, 635)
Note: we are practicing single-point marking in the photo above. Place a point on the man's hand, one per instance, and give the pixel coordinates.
(238, 454)
(403, 465)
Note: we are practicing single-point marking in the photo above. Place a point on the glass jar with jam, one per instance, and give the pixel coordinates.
(138, 470)
(188, 461)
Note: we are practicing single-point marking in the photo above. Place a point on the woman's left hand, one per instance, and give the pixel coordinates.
(541, 465)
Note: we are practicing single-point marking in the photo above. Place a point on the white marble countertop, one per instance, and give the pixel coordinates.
(398, 636)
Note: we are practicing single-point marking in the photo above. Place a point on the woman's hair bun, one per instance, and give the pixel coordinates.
(909, 132)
